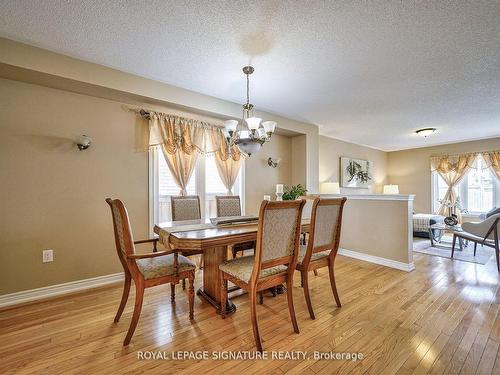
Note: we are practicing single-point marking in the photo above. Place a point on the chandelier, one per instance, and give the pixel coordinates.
(249, 136)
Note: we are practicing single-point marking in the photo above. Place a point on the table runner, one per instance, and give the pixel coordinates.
(165, 232)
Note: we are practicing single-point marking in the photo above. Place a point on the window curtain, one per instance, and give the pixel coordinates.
(179, 140)
(182, 140)
(452, 169)
(228, 162)
(492, 160)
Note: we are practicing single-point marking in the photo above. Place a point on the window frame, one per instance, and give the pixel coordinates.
(200, 188)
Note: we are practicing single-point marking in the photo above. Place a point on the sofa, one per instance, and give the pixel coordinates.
(422, 223)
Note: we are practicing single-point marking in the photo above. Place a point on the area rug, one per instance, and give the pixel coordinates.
(483, 254)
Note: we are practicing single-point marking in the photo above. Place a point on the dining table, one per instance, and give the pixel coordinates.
(213, 241)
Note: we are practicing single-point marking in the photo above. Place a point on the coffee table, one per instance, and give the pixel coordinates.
(437, 241)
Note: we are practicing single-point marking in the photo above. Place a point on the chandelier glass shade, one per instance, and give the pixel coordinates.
(251, 133)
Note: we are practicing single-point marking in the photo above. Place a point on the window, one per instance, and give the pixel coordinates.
(479, 191)
(205, 182)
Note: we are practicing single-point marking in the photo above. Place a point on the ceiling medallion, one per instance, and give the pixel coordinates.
(248, 136)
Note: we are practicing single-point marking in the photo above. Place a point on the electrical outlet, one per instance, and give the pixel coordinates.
(47, 255)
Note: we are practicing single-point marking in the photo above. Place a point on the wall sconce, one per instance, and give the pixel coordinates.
(84, 142)
(273, 162)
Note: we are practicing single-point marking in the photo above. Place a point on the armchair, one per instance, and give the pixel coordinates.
(146, 270)
(485, 233)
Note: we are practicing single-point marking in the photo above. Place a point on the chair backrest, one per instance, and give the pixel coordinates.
(491, 231)
(228, 205)
(326, 224)
(124, 240)
(278, 235)
(484, 229)
(185, 208)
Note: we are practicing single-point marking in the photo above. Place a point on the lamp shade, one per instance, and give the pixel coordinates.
(253, 123)
(391, 189)
(330, 188)
(230, 125)
(269, 126)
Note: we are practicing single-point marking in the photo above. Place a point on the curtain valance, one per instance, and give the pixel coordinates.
(447, 163)
(174, 133)
(492, 160)
(452, 163)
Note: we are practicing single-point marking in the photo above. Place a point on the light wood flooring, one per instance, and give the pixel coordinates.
(441, 318)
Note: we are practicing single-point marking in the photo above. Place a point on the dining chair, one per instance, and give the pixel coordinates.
(485, 233)
(186, 208)
(230, 205)
(322, 245)
(147, 270)
(274, 262)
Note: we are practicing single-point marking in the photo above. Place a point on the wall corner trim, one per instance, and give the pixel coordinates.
(58, 289)
(407, 267)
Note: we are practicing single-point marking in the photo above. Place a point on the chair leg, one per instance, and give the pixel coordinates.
(139, 294)
(183, 284)
(172, 292)
(453, 245)
(291, 309)
(253, 313)
(307, 295)
(497, 250)
(223, 296)
(191, 296)
(316, 273)
(123, 303)
(234, 253)
(332, 283)
(261, 298)
(475, 248)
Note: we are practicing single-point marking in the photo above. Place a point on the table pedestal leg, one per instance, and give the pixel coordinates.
(210, 291)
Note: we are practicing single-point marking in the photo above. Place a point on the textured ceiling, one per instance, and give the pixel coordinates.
(366, 72)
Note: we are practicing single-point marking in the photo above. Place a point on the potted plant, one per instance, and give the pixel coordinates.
(291, 193)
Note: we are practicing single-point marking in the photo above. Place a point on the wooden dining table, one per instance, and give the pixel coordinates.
(213, 242)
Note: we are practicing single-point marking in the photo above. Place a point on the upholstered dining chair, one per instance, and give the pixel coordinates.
(147, 270)
(230, 205)
(274, 262)
(323, 244)
(485, 233)
(186, 208)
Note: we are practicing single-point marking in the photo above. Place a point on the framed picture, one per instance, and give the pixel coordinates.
(355, 173)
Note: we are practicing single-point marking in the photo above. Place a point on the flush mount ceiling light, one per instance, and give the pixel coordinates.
(249, 137)
(425, 132)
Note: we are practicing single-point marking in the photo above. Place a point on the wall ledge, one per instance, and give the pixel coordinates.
(407, 267)
(58, 290)
(379, 197)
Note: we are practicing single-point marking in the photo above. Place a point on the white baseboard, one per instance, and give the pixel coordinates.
(59, 289)
(378, 260)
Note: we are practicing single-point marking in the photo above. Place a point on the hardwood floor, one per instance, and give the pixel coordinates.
(441, 318)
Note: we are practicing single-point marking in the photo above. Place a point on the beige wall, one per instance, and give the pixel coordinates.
(330, 151)
(260, 178)
(299, 167)
(378, 228)
(53, 194)
(410, 169)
